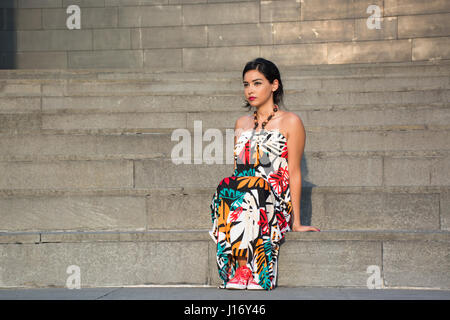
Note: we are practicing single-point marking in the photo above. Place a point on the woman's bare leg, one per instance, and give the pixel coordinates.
(242, 261)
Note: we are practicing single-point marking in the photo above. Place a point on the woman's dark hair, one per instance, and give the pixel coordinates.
(271, 72)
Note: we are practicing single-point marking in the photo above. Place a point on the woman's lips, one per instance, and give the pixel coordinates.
(251, 98)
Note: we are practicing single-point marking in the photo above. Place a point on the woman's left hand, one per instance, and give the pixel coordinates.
(304, 228)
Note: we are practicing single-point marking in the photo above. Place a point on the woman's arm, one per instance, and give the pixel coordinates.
(296, 144)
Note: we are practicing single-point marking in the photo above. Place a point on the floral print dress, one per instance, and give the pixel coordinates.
(251, 210)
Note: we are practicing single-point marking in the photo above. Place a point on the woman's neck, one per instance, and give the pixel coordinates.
(264, 111)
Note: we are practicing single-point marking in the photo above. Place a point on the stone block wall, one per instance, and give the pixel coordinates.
(220, 35)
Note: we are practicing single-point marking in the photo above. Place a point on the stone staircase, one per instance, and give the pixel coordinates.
(87, 177)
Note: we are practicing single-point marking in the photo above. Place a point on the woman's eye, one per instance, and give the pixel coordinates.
(255, 83)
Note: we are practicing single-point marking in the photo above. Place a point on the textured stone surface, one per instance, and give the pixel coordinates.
(306, 259)
(376, 159)
(445, 210)
(218, 59)
(90, 18)
(287, 10)
(416, 170)
(377, 140)
(40, 60)
(39, 3)
(151, 174)
(85, 146)
(20, 123)
(387, 30)
(377, 211)
(315, 263)
(179, 211)
(402, 7)
(201, 14)
(159, 60)
(106, 59)
(431, 48)
(66, 174)
(104, 264)
(110, 39)
(283, 31)
(54, 40)
(376, 51)
(22, 19)
(169, 37)
(239, 34)
(433, 25)
(148, 16)
(296, 54)
(336, 9)
(125, 120)
(312, 98)
(342, 171)
(313, 31)
(72, 213)
(19, 104)
(416, 264)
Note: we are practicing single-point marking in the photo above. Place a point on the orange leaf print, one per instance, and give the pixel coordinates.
(223, 212)
(251, 182)
(243, 182)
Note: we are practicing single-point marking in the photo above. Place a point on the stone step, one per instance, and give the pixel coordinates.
(416, 68)
(356, 118)
(432, 69)
(339, 78)
(329, 208)
(318, 169)
(87, 177)
(50, 145)
(291, 85)
(325, 259)
(171, 105)
(430, 168)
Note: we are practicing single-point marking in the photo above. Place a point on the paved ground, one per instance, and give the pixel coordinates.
(212, 293)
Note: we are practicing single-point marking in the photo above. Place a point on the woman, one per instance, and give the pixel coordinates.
(252, 209)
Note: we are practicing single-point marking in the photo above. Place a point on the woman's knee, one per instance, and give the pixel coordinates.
(259, 182)
(226, 181)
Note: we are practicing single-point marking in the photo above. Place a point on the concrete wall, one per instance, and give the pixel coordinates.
(215, 35)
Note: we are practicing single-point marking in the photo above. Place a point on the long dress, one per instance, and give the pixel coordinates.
(251, 210)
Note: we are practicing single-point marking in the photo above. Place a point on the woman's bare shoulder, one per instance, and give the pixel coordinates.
(243, 122)
(291, 119)
(292, 122)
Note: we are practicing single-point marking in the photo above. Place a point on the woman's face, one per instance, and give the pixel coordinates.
(257, 89)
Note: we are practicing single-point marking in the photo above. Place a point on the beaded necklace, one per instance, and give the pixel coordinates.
(255, 119)
(263, 125)
(275, 109)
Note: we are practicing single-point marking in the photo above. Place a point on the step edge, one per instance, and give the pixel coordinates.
(204, 236)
